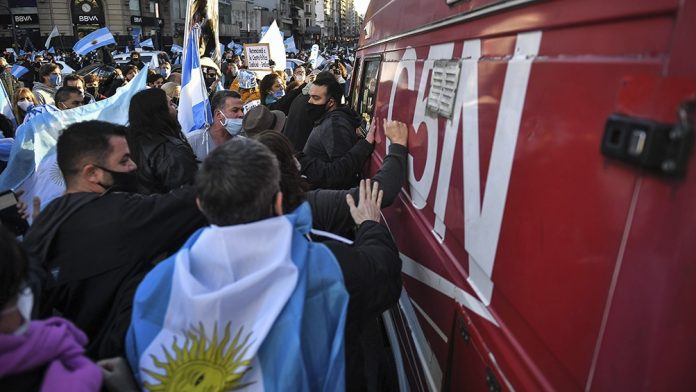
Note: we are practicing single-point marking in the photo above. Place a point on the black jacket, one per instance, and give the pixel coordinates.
(332, 138)
(164, 162)
(340, 173)
(372, 274)
(91, 250)
(331, 213)
(300, 122)
(333, 134)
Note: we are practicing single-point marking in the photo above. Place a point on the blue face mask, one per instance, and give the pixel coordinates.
(233, 126)
(279, 94)
(165, 73)
(56, 80)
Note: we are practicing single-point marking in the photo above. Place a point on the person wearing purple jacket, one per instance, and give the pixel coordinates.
(40, 355)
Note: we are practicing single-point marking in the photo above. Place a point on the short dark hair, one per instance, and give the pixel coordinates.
(63, 93)
(291, 183)
(88, 140)
(46, 69)
(237, 182)
(91, 78)
(73, 77)
(333, 88)
(152, 78)
(219, 98)
(13, 268)
(129, 67)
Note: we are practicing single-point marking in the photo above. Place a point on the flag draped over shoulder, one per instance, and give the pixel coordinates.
(194, 107)
(32, 165)
(94, 40)
(231, 311)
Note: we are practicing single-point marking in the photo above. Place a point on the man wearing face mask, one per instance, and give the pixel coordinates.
(334, 133)
(49, 81)
(93, 245)
(135, 60)
(228, 113)
(165, 70)
(77, 81)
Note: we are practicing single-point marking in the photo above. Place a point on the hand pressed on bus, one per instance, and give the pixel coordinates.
(396, 131)
(370, 200)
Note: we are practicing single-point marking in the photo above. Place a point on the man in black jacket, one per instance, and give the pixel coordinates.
(300, 120)
(334, 134)
(90, 248)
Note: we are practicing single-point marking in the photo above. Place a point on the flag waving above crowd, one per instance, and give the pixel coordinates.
(93, 41)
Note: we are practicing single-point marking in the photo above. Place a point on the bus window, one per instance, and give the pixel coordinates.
(367, 95)
(355, 86)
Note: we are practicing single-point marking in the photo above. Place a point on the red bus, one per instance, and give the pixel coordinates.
(547, 229)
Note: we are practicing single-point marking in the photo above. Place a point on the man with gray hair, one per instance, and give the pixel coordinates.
(228, 113)
(255, 270)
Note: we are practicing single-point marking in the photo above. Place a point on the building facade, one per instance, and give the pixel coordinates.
(27, 23)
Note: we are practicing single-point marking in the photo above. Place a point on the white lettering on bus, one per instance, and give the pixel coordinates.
(482, 220)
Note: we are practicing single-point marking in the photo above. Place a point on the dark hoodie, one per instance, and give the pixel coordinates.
(333, 134)
(89, 251)
(332, 137)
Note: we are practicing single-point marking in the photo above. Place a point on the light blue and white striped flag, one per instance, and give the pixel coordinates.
(176, 48)
(229, 311)
(147, 44)
(94, 40)
(18, 71)
(6, 105)
(127, 50)
(230, 45)
(32, 165)
(290, 45)
(194, 107)
(51, 50)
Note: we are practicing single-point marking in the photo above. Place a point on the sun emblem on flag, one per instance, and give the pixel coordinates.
(201, 364)
(94, 42)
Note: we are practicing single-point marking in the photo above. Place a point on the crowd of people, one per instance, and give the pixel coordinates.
(79, 284)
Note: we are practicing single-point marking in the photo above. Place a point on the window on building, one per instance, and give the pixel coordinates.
(134, 5)
(225, 13)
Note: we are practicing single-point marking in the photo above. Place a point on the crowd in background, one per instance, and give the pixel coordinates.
(134, 195)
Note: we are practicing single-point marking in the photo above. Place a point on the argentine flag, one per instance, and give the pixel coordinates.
(290, 45)
(18, 71)
(147, 43)
(32, 165)
(94, 40)
(228, 311)
(176, 48)
(6, 105)
(194, 108)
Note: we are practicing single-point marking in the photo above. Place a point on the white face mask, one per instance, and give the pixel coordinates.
(233, 126)
(25, 303)
(25, 105)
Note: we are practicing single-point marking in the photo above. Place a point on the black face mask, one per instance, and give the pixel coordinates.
(123, 181)
(92, 91)
(316, 111)
(209, 80)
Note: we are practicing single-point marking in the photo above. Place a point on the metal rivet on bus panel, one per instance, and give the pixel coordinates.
(669, 165)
